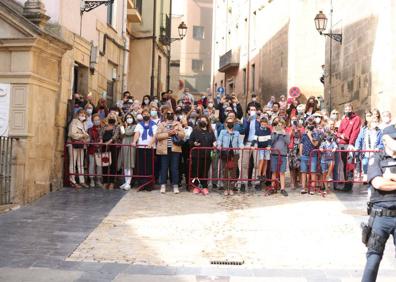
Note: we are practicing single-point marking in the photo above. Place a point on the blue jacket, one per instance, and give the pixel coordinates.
(225, 137)
(237, 127)
(246, 126)
(360, 143)
(262, 137)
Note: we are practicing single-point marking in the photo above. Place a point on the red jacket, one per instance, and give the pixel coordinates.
(350, 128)
(94, 138)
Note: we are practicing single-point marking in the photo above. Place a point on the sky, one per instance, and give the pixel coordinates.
(177, 7)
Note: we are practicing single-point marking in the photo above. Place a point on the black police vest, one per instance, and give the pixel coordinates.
(378, 196)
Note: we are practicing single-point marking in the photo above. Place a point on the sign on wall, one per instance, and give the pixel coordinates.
(4, 108)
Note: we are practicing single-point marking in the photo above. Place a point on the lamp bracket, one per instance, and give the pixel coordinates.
(89, 5)
(336, 36)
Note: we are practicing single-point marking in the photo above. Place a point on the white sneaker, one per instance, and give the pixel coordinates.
(176, 189)
(163, 189)
(127, 187)
(92, 184)
(123, 186)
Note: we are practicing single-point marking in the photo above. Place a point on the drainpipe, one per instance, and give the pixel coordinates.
(170, 48)
(154, 41)
(248, 56)
(126, 46)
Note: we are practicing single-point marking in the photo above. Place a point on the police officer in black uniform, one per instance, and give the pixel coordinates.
(382, 205)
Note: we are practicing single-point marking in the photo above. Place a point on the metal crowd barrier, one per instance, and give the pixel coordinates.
(87, 161)
(349, 166)
(212, 164)
(6, 151)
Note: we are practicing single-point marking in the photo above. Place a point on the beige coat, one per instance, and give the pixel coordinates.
(77, 131)
(162, 138)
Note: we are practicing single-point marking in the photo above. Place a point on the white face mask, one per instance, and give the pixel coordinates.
(139, 117)
(81, 118)
(89, 111)
(333, 116)
(317, 120)
(146, 101)
(210, 105)
(254, 99)
(97, 122)
(386, 120)
(129, 120)
(252, 113)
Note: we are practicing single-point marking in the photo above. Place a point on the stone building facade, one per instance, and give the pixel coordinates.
(145, 74)
(194, 52)
(364, 65)
(267, 47)
(31, 67)
(47, 56)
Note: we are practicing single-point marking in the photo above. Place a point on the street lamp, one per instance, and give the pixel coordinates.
(182, 28)
(321, 24)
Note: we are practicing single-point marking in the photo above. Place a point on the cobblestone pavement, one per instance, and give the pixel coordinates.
(112, 236)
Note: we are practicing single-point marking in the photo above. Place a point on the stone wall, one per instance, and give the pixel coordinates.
(351, 65)
(364, 66)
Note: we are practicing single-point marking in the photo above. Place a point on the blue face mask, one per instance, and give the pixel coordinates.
(153, 113)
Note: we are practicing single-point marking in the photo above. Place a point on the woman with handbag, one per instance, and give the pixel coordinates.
(202, 136)
(170, 138)
(109, 135)
(127, 154)
(229, 138)
(77, 136)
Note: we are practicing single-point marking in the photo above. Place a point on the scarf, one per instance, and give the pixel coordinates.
(147, 128)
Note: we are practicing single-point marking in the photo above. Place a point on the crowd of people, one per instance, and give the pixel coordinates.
(247, 146)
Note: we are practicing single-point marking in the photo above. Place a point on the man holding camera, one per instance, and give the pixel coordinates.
(382, 205)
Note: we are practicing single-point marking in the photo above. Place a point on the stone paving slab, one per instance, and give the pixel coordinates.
(46, 232)
(297, 232)
(320, 238)
(37, 275)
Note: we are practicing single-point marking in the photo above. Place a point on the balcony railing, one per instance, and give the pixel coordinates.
(165, 30)
(135, 11)
(229, 60)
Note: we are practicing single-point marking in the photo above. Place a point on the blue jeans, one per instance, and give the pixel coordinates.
(169, 161)
(383, 226)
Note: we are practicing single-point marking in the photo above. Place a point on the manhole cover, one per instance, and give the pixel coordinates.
(226, 262)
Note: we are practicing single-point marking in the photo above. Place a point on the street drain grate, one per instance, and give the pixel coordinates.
(226, 262)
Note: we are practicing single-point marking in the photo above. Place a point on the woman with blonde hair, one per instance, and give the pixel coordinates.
(77, 136)
(169, 137)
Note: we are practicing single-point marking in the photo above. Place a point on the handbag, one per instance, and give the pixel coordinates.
(177, 140)
(103, 159)
(77, 144)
